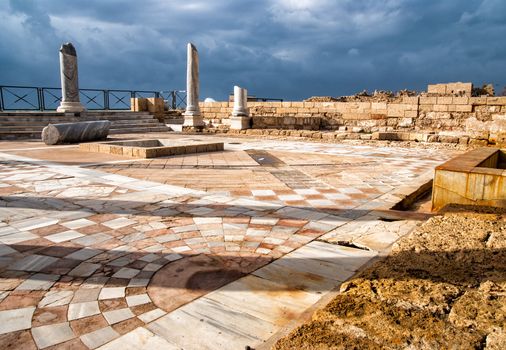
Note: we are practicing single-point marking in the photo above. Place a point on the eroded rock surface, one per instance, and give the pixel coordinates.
(443, 287)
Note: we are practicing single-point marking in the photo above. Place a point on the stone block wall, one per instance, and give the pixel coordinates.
(477, 117)
(451, 89)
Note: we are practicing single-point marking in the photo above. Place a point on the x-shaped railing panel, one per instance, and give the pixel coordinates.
(19, 98)
(47, 98)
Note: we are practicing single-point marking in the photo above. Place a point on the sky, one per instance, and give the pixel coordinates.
(290, 49)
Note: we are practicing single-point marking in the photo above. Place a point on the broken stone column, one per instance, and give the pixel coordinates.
(55, 134)
(192, 115)
(69, 82)
(240, 118)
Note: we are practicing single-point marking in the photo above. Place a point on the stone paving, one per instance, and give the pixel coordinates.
(207, 251)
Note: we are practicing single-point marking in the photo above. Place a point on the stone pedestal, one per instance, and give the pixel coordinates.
(192, 115)
(69, 80)
(240, 123)
(71, 107)
(240, 118)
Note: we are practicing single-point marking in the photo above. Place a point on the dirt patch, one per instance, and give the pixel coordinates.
(442, 287)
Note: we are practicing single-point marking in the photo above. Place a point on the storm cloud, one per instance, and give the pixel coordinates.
(289, 49)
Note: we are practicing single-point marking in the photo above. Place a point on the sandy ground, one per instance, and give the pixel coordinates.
(442, 287)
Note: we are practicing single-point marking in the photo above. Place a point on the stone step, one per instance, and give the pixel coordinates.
(56, 114)
(140, 121)
(38, 127)
(139, 130)
(120, 117)
(29, 124)
(19, 135)
(43, 124)
(71, 119)
(14, 135)
(39, 130)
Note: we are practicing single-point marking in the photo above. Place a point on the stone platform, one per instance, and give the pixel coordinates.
(152, 148)
(217, 250)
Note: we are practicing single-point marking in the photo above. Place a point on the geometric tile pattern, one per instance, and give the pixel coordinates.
(78, 247)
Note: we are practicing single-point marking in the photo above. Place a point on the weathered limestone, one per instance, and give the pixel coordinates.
(153, 105)
(69, 80)
(192, 115)
(240, 119)
(138, 104)
(55, 134)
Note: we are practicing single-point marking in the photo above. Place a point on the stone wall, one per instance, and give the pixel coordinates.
(477, 117)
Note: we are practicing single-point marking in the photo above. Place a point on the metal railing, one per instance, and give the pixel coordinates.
(33, 98)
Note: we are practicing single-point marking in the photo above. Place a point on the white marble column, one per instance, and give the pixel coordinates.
(192, 115)
(240, 118)
(69, 80)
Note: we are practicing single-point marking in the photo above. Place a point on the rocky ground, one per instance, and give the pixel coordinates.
(442, 287)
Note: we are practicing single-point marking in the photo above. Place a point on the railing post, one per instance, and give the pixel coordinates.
(1, 98)
(174, 99)
(106, 99)
(40, 94)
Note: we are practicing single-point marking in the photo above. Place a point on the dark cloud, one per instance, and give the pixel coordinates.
(290, 49)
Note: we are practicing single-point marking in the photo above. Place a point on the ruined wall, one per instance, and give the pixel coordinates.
(477, 117)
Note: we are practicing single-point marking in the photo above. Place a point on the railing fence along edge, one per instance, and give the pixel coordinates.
(33, 98)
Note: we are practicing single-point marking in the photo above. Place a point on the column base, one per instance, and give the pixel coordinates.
(191, 119)
(240, 122)
(74, 107)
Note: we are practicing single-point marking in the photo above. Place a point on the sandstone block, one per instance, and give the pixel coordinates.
(426, 100)
(478, 142)
(478, 100)
(497, 100)
(459, 88)
(444, 100)
(394, 112)
(379, 105)
(464, 100)
(448, 139)
(440, 108)
(426, 108)
(464, 108)
(436, 88)
(410, 114)
(410, 100)
(155, 105)
(138, 104)
(464, 140)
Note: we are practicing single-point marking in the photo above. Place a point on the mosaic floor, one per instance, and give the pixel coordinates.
(209, 251)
